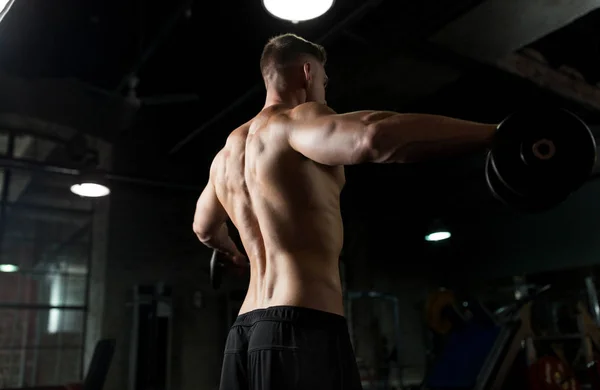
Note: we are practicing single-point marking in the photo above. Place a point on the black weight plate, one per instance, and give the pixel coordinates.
(216, 271)
(509, 198)
(535, 202)
(563, 171)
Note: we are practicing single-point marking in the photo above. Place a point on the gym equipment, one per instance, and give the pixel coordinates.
(442, 313)
(465, 349)
(481, 352)
(551, 373)
(547, 372)
(507, 197)
(538, 158)
(99, 365)
(218, 267)
(151, 337)
(216, 270)
(393, 376)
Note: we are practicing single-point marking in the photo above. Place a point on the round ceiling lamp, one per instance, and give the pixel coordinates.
(438, 236)
(90, 190)
(91, 185)
(9, 268)
(437, 232)
(297, 10)
(4, 7)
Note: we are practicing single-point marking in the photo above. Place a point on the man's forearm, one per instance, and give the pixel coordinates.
(220, 241)
(419, 137)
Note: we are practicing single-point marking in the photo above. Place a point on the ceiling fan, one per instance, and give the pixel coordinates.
(155, 100)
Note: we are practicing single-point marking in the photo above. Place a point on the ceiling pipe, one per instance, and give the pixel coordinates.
(497, 28)
(38, 166)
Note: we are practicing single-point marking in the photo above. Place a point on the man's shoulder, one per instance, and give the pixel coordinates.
(279, 121)
(310, 110)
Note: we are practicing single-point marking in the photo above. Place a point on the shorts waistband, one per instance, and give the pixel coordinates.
(298, 315)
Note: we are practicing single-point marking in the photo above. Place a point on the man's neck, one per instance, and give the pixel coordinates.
(292, 98)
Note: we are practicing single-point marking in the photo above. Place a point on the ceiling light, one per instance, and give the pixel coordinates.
(90, 190)
(8, 268)
(437, 232)
(297, 10)
(5, 6)
(91, 184)
(437, 236)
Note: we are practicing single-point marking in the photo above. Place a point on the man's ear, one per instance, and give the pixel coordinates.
(307, 73)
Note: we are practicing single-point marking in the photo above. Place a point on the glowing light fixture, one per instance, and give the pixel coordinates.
(437, 232)
(4, 7)
(8, 268)
(438, 236)
(90, 190)
(91, 185)
(297, 10)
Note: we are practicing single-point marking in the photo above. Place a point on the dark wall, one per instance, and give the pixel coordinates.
(510, 243)
(151, 241)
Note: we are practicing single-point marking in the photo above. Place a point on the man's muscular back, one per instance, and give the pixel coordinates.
(286, 208)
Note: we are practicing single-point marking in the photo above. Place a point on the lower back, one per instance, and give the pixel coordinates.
(302, 280)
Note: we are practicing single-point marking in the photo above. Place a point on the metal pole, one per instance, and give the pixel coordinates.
(336, 29)
(38, 335)
(5, 190)
(24, 341)
(134, 341)
(396, 303)
(88, 278)
(17, 319)
(32, 165)
(350, 321)
(62, 324)
(20, 306)
(152, 183)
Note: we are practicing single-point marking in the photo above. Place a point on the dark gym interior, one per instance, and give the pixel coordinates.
(114, 292)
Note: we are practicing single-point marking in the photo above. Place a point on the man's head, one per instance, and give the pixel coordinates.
(291, 63)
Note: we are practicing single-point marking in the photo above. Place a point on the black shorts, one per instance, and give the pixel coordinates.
(288, 348)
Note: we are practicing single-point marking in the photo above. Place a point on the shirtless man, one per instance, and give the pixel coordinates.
(279, 179)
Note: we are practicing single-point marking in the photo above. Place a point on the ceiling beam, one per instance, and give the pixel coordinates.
(496, 28)
(561, 83)
(69, 103)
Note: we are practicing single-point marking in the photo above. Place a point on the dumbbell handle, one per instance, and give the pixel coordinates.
(216, 254)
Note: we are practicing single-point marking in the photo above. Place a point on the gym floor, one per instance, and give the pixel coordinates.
(124, 87)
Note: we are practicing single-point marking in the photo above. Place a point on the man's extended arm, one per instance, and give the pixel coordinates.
(210, 224)
(381, 136)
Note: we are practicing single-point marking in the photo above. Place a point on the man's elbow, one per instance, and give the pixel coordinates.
(202, 233)
(376, 145)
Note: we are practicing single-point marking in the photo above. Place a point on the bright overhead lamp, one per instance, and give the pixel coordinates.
(4, 7)
(90, 190)
(438, 236)
(297, 10)
(90, 186)
(8, 268)
(437, 232)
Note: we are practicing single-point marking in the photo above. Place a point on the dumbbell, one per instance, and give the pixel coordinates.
(538, 158)
(219, 264)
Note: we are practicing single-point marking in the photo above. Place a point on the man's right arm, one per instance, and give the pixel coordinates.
(328, 138)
